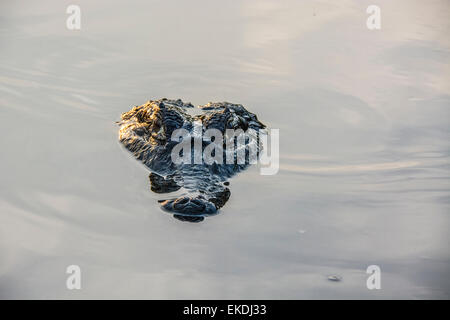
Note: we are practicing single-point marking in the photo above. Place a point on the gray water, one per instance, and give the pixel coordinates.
(364, 149)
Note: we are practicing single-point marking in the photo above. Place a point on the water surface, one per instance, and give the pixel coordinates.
(364, 142)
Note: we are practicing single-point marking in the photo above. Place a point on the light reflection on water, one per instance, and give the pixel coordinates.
(363, 119)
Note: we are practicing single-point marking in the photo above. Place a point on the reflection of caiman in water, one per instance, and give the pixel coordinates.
(147, 130)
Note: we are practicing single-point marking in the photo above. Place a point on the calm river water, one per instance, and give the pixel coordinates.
(364, 149)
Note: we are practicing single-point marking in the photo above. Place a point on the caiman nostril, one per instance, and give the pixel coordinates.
(197, 202)
(181, 201)
(189, 205)
(198, 205)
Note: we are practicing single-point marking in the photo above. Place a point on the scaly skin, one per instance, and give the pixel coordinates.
(146, 132)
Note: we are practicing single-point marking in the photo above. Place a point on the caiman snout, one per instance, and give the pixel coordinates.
(188, 205)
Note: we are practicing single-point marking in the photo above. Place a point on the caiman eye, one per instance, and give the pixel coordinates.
(140, 131)
(243, 123)
(237, 122)
(156, 126)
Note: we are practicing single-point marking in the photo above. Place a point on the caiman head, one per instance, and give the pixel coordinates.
(201, 188)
